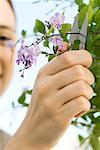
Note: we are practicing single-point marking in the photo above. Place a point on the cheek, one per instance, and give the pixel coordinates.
(7, 63)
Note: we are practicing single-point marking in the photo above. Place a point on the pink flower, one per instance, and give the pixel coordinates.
(57, 20)
(32, 54)
(27, 55)
(57, 41)
(21, 53)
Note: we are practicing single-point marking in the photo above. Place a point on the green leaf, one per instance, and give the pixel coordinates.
(78, 2)
(96, 120)
(66, 27)
(51, 30)
(90, 13)
(23, 33)
(96, 28)
(97, 85)
(95, 138)
(46, 43)
(91, 2)
(97, 3)
(80, 138)
(76, 45)
(95, 68)
(80, 5)
(96, 44)
(39, 27)
(64, 36)
(89, 45)
(97, 17)
(96, 130)
(29, 92)
(25, 104)
(82, 15)
(22, 98)
(96, 102)
(95, 143)
(51, 57)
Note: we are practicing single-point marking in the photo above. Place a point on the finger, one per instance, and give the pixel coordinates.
(64, 48)
(81, 114)
(74, 107)
(72, 91)
(66, 60)
(72, 74)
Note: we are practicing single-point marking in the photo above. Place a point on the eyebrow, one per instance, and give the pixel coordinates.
(7, 27)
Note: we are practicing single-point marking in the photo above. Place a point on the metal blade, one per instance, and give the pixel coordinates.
(83, 33)
(75, 29)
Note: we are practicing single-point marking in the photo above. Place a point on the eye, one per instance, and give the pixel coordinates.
(4, 38)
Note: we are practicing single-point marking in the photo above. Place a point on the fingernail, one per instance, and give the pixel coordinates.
(93, 95)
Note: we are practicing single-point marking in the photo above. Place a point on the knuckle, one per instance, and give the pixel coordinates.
(41, 88)
(88, 57)
(81, 86)
(67, 58)
(79, 71)
(40, 73)
(84, 89)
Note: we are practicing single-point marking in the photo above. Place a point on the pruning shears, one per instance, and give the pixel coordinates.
(79, 34)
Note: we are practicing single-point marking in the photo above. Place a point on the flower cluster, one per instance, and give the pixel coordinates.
(27, 55)
(57, 20)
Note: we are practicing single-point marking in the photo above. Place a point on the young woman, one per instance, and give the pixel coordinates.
(53, 105)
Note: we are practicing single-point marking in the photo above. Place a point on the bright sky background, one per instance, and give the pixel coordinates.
(10, 119)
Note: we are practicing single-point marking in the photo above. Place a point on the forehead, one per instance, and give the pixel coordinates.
(7, 17)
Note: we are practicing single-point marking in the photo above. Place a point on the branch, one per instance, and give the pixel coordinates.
(38, 1)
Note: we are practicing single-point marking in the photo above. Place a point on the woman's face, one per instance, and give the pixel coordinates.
(7, 32)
